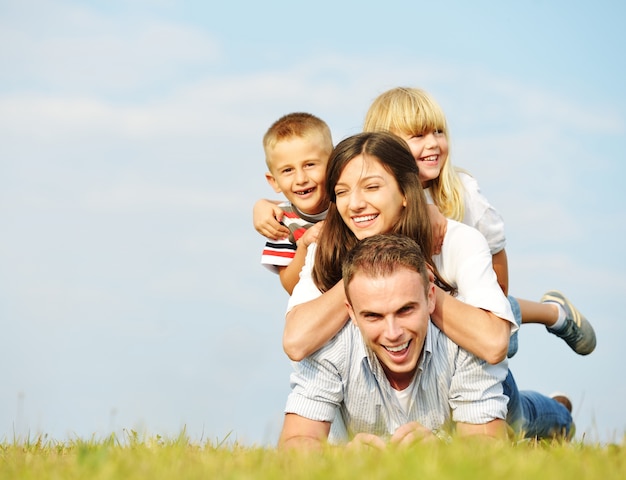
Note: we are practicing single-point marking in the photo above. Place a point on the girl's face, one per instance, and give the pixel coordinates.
(430, 151)
(368, 197)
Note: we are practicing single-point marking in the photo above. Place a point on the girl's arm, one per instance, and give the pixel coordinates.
(266, 218)
(439, 225)
(501, 267)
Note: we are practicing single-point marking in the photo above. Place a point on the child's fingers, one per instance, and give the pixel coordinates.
(274, 230)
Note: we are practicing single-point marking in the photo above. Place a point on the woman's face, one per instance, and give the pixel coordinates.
(368, 197)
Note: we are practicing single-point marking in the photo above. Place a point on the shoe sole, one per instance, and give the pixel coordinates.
(578, 318)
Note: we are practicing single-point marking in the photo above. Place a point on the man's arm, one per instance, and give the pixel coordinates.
(497, 429)
(303, 433)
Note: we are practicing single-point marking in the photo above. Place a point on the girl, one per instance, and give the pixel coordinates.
(414, 116)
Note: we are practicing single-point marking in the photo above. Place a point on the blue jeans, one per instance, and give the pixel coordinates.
(535, 415)
(517, 314)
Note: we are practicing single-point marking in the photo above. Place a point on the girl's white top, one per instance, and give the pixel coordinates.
(479, 213)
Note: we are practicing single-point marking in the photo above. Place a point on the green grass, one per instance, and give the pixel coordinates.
(179, 458)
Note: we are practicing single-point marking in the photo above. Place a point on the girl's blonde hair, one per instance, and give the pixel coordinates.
(411, 111)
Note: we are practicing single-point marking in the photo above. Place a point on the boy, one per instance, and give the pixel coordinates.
(297, 147)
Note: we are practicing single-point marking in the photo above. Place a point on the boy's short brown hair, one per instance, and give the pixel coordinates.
(297, 124)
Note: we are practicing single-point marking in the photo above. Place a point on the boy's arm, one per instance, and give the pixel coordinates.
(266, 218)
(501, 267)
(497, 429)
(303, 433)
(290, 274)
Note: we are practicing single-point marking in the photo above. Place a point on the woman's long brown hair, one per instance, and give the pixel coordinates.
(336, 239)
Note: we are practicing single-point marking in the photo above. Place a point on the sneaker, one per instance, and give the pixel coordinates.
(563, 400)
(577, 332)
(568, 432)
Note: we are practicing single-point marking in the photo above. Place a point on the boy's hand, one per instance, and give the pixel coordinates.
(411, 433)
(311, 235)
(439, 225)
(266, 217)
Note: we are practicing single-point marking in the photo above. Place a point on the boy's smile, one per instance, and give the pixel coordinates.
(298, 171)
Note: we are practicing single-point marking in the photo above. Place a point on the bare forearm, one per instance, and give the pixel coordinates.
(300, 442)
(477, 331)
(501, 267)
(310, 325)
(495, 429)
(302, 433)
(290, 274)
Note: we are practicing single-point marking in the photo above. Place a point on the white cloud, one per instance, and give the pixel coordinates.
(72, 48)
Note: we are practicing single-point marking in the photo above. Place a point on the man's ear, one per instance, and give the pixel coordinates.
(272, 181)
(351, 312)
(432, 297)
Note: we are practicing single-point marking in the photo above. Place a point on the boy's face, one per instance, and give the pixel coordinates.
(298, 171)
(392, 313)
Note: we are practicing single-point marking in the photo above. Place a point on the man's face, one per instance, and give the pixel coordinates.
(392, 314)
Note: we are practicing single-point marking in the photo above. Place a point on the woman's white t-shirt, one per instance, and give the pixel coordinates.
(464, 262)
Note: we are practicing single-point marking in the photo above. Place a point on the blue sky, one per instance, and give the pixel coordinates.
(131, 293)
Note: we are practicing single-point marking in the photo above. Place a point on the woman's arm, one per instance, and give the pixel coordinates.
(476, 330)
(309, 325)
(479, 319)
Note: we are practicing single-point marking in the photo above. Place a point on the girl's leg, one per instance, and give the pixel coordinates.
(534, 312)
(572, 325)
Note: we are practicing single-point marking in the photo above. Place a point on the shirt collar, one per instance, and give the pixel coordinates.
(368, 357)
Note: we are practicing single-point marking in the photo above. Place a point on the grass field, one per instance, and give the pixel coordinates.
(179, 458)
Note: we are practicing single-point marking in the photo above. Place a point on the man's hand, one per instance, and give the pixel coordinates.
(411, 433)
(404, 436)
(368, 440)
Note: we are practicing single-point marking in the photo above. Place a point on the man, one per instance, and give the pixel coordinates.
(390, 375)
